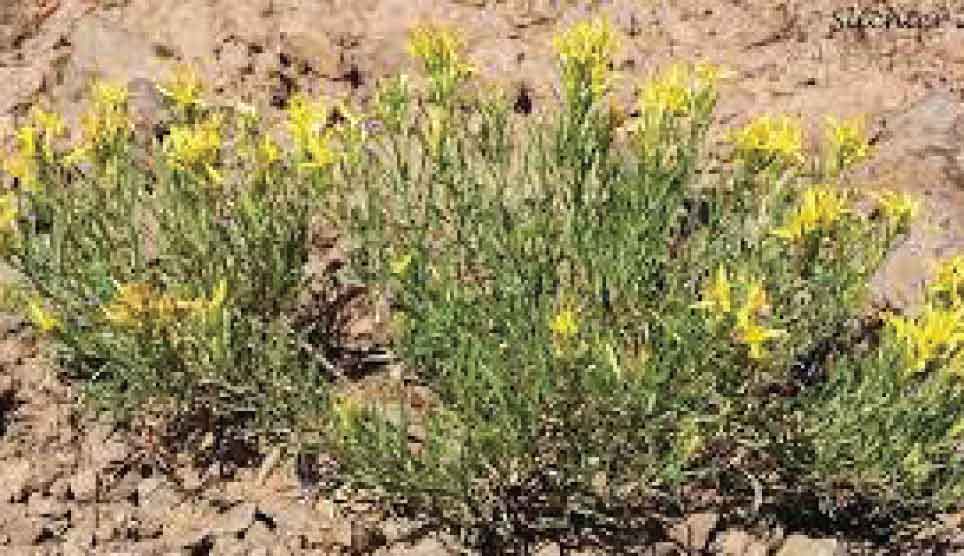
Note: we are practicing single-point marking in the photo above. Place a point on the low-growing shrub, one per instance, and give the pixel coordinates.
(600, 325)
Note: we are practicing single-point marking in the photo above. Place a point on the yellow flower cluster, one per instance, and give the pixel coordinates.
(184, 88)
(675, 88)
(106, 123)
(307, 121)
(586, 51)
(564, 324)
(8, 212)
(440, 50)
(194, 147)
(22, 164)
(820, 207)
(929, 334)
(51, 125)
(717, 298)
(949, 279)
(42, 318)
(846, 143)
(939, 328)
(766, 139)
(137, 303)
(897, 207)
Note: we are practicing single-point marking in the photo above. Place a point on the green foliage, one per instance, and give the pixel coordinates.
(591, 318)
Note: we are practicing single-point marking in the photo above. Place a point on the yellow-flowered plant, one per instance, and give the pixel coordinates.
(585, 52)
(34, 141)
(820, 207)
(756, 302)
(194, 148)
(137, 304)
(926, 337)
(897, 207)
(51, 126)
(268, 152)
(22, 164)
(184, 88)
(306, 118)
(105, 125)
(753, 335)
(439, 49)
(307, 121)
(846, 143)
(8, 213)
(565, 324)
(675, 89)
(949, 279)
(716, 297)
(767, 139)
(400, 265)
(41, 317)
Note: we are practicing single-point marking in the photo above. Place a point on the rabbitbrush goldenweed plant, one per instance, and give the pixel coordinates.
(598, 330)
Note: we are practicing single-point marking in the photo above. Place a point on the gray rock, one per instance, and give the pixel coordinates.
(83, 485)
(801, 545)
(429, 546)
(45, 506)
(693, 533)
(235, 520)
(919, 152)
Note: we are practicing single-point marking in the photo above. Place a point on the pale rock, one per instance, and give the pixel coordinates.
(801, 545)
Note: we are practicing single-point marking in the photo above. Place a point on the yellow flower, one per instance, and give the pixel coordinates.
(195, 147)
(717, 295)
(923, 338)
(821, 207)
(130, 304)
(846, 142)
(268, 152)
(8, 212)
(949, 278)
(765, 139)
(401, 264)
(439, 49)
(676, 88)
(109, 96)
(41, 318)
(753, 335)
(137, 303)
(52, 126)
(756, 302)
(586, 50)
(219, 296)
(565, 323)
(319, 152)
(106, 122)
(897, 206)
(184, 88)
(306, 119)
